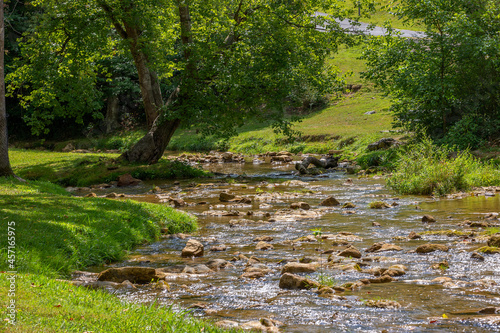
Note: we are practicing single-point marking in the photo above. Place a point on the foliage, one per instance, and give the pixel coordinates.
(48, 305)
(243, 59)
(326, 280)
(424, 168)
(58, 233)
(382, 158)
(446, 83)
(71, 169)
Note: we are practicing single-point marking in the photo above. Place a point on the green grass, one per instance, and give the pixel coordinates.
(425, 168)
(57, 233)
(336, 127)
(47, 305)
(71, 169)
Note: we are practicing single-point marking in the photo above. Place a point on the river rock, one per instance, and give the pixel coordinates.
(379, 205)
(350, 252)
(427, 248)
(263, 239)
(292, 215)
(257, 274)
(389, 247)
(325, 291)
(217, 248)
(297, 267)
(218, 264)
(91, 195)
(292, 281)
(102, 285)
(127, 180)
(300, 205)
(494, 241)
(193, 249)
(383, 143)
(330, 202)
(226, 197)
(394, 272)
(374, 247)
(134, 274)
(382, 279)
(226, 324)
(178, 202)
(263, 246)
(383, 304)
(295, 183)
(349, 205)
(428, 219)
(489, 310)
(414, 235)
(197, 269)
(477, 256)
(488, 250)
(258, 326)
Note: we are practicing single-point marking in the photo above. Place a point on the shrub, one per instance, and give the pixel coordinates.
(424, 168)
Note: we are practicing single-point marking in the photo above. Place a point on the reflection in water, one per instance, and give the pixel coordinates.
(471, 284)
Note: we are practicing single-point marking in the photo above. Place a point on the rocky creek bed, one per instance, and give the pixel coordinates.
(330, 253)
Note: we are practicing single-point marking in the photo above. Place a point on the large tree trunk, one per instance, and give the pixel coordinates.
(150, 148)
(5, 169)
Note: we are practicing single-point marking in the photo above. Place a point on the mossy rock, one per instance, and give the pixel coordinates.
(449, 233)
(488, 250)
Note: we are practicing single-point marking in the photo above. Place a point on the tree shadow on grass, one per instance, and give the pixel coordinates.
(66, 233)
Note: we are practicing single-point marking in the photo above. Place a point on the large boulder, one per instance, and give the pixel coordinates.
(292, 281)
(193, 248)
(218, 264)
(350, 252)
(297, 267)
(428, 219)
(427, 248)
(381, 247)
(330, 202)
(300, 205)
(263, 246)
(127, 180)
(383, 144)
(134, 274)
(494, 241)
(226, 197)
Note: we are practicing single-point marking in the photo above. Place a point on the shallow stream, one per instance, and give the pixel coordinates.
(473, 284)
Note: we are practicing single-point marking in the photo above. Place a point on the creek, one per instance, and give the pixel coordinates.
(449, 304)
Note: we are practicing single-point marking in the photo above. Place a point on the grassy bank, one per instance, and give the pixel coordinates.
(72, 169)
(55, 234)
(425, 168)
(58, 233)
(47, 305)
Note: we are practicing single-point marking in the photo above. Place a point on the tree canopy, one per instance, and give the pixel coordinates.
(215, 64)
(448, 83)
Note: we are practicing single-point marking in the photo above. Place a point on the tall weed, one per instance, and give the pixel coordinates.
(425, 168)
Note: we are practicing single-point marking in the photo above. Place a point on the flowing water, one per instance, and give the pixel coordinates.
(225, 295)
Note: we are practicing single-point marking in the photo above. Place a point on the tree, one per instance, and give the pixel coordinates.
(448, 83)
(5, 168)
(212, 63)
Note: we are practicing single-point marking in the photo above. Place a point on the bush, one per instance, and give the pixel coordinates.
(424, 168)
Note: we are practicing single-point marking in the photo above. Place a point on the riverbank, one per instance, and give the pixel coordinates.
(51, 234)
(88, 167)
